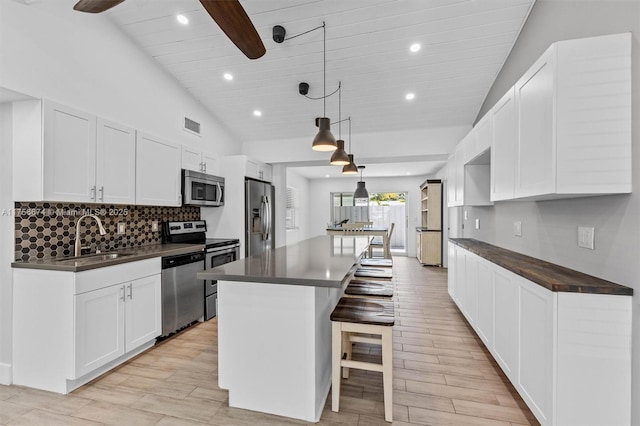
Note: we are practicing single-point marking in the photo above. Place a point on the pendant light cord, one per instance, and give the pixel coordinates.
(339, 110)
(350, 135)
(324, 69)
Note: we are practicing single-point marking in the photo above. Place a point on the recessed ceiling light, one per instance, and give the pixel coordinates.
(228, 76)
(182, 19)
(415, 47)
(257, 113)
(410, 96)
(408, 173)
(326, 176)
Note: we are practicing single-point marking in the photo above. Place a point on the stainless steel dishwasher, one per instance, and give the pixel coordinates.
(182, 295)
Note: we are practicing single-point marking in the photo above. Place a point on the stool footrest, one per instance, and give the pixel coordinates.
(361, 339)
(361, 365)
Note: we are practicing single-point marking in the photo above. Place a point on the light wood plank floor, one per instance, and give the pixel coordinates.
(442, 376)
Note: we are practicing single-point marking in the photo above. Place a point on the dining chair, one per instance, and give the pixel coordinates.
(378, 242)
(351, 228)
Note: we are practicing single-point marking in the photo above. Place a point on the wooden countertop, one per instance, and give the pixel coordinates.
(324, 261)
(84, 263)
(549, 275)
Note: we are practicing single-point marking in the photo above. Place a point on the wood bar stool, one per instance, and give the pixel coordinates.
(368, 316)
(376, 263)
(368, 288)
(377, 273)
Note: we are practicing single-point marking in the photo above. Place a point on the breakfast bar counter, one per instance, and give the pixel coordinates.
(274, 332)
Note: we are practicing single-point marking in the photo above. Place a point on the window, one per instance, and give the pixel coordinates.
(342, 208)
(292, 209)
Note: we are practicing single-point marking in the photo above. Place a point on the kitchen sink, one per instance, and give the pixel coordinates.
(94, 257)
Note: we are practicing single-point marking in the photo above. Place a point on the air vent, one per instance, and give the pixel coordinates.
(191, 126)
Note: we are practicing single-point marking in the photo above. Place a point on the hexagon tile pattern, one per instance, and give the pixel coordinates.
(48, 229)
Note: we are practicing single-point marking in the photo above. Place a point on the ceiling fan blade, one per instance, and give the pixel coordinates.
(95, 6)
(233, 20)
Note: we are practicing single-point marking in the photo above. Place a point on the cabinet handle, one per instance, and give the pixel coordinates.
(130, 291)
(102, 193)
(122, 296)
(93, 193)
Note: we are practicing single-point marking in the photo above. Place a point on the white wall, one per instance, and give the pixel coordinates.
(82, 60)
(549, 229)
(320, 201)
(6, 242)
(302, 187)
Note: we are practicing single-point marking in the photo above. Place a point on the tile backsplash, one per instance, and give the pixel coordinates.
(48, 229)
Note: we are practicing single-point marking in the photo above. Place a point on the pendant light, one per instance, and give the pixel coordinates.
(339, 157)
(361, 195)
(324, 140)
(351, 168)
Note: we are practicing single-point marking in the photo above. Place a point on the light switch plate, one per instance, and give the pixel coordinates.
(122, 227)
(517, 228)
(586, 237)
(477, 223)
(154, 226)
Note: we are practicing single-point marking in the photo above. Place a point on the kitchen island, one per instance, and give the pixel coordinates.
(274, 332)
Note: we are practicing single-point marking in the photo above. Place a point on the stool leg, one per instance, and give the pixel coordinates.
(387, 372)
(348, 349)
(336, 357)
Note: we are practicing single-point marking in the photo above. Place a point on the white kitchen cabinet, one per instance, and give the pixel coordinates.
(158, 178)
(484, 134)
(62, 154)
(503, 148)
(536, 312)
(459, 171)
(567, 354)
(193, 159)
(115, 163)
(258, 170)
(574, 120)
(89, 322)
(505, 339)
(451, 270)
(451, 181)
(461, 275)
(469, 146)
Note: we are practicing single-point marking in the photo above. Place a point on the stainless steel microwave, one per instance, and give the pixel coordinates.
(201, 189)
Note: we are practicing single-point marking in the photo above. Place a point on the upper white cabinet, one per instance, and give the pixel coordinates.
(115, 163)
(503, 148)
(193, 159)
(258, 170)
(157, 172)
(574, 120)
(62, 154)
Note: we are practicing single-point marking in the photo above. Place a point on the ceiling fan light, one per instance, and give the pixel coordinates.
(351, 168)
(340, 157)
(324, 140)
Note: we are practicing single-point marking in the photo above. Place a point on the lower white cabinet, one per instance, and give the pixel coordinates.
(567, 354)
(71, 327)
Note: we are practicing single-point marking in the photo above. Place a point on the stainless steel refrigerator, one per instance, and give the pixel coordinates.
(259, 219)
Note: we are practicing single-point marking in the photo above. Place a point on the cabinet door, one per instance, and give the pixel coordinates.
(461, 276)
(505, 343)
(536, 156)
(459, 175)
(434, 207)
(503, 148)
(469, 146)
(451, 270)
(143, 311)
(431, 248)
(251, 169)
(69, 154)
(157, 172)
(536, 340)
(265, 172)
(451, 181)
(471, 287)
(99, 320)
(115, 163)
(484, 319)
(210, 163)
(419, 246)
(484, 134)
(192, 159)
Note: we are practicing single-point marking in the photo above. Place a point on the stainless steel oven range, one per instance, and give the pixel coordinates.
(218, 251)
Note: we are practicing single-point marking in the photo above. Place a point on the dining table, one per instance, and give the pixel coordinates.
(369, 231)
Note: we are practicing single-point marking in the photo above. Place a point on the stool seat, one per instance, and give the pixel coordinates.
(369, 288)
(377, 262)
(364, 311)
(374, 273)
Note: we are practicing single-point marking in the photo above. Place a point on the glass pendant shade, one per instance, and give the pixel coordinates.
(340, 157)
(351, 168)
(324, 140)
(361, 195)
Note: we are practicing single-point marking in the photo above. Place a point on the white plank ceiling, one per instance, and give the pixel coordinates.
(464, 45)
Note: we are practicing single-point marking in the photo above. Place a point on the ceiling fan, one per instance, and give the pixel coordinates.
(228, 14)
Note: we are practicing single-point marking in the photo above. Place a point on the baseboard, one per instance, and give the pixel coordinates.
(5, 374)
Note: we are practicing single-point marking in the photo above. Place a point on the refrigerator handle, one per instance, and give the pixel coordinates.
(263, 218)
(268, 221)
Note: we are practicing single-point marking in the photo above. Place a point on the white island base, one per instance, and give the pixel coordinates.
(274, 346)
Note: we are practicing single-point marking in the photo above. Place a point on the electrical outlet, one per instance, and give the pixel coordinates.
(154, 226)
(466, 215)
(122, 227)
(517, 228)
(586, 237)
(477, 223)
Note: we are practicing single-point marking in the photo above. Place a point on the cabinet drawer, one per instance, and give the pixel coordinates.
(104, 277)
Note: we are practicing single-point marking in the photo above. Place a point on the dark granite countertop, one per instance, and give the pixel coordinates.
(551, 276)
(84, 263)
(324, 261)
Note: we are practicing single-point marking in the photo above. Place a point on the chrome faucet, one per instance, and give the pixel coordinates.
(78, 250)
